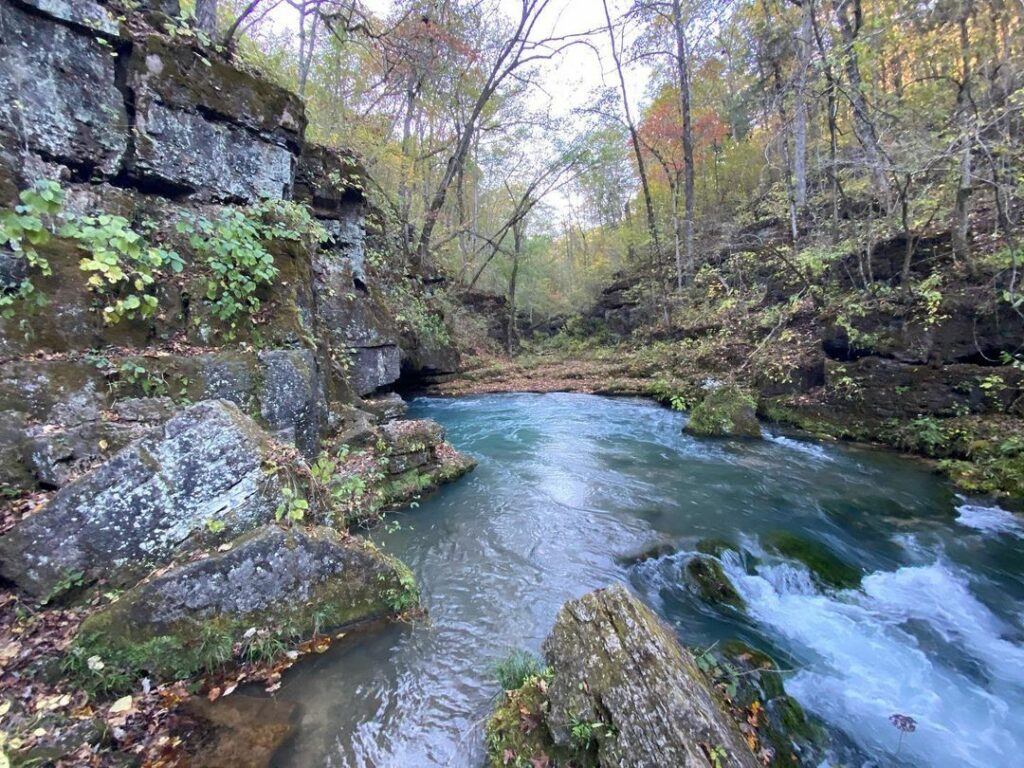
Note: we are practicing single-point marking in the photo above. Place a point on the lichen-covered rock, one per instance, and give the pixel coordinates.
(616, 664)
(210, 466)
(725, 411)
(291, 398)
(58, 93)
(206, 128)
(180, 78)
(375, 367)
(295, 582)
(215, 161)
(412, 436)
(88, 15)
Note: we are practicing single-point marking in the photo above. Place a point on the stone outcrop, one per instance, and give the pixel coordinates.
(639, 695)
(58, 90)
(133, 124)
(296, 582)
(207, 475)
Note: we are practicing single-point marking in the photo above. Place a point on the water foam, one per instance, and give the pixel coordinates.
(802, 446)
(863, 664)
(990, 519)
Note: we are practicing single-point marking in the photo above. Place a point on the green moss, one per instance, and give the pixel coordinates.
(726, 411)
(706, 574)
(517, 733)
(810, 420)
(827, 567)
(715, 547)
(129, 649)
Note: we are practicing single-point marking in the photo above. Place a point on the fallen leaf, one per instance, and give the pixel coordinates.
(122, 705)
(214, 694)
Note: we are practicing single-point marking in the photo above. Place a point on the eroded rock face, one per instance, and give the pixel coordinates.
(616, 663)
(205, 128)
(294, 581)
(208, 466)
(58, 92)
(375, 367)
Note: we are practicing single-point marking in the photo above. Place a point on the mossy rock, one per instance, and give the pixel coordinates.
(272, 587)
(715, 547)
(518, 728)
(726, 411)
(707, 576)
(795, 738)
(827, 567)
(651, 552)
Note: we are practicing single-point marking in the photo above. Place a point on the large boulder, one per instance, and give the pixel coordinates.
(208, 474)
(285, 584)
(616, 663)
(623, 693)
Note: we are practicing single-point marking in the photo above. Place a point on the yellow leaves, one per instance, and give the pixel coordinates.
(48, 703)
(121, 706)
(9, 651)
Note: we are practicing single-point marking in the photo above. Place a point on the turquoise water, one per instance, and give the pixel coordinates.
(569, 483)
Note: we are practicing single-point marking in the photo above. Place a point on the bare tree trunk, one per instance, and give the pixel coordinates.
(206, 17)
(404, 193)
(652, 226)
(803, 66)
(517, 248)
(683, 68)
(833, 132)
(962, 206)
(863, 127)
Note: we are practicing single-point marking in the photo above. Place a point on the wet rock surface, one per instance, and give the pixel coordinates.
(209, 464)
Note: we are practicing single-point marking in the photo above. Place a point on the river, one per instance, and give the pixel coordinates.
(567, 484)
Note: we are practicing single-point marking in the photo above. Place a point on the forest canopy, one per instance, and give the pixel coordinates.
(843, 123)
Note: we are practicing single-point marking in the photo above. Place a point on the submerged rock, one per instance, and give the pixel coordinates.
(294, 583)
(651, 552)
(707, 576)
(827, 567)
(625, 693)
(726, 411)
(208, 474)
(240, 730)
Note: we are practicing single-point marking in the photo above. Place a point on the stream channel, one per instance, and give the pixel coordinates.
(568, 484)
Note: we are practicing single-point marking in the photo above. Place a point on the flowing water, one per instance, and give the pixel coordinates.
(568, 483)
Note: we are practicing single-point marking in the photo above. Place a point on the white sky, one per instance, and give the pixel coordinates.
(568, 81)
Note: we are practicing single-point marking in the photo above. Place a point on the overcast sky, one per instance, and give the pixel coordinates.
(568, 81)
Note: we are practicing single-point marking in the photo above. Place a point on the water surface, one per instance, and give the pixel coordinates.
(568, 483)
